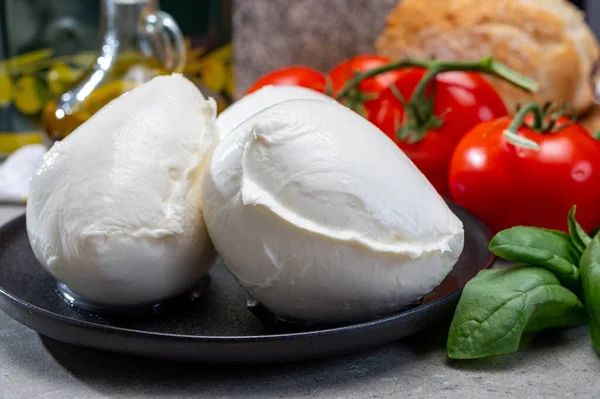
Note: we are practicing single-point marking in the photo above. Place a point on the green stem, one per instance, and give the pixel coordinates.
(520, 116)
(359, 77)
(551, 126)
(511, 132)
(539, 119)
(486, 65)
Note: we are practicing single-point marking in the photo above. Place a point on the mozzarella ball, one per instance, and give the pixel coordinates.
(115, 209)
(263, 98)
(322, 218)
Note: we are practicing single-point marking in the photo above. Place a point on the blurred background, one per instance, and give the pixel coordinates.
(47, 45)
(270, 34)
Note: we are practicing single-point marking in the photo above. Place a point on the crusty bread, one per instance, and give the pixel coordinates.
(591, 120)
(547, 40)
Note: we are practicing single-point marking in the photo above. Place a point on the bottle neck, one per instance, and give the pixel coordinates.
(121, 23)
(121, 30)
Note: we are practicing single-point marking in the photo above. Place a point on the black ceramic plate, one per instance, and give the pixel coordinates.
(219, 328)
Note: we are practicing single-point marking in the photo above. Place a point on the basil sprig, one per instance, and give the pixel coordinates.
(498, 306)
(579, 237)
(590, 278)
(550, 249)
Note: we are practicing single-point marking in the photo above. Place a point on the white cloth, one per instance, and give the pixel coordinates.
(16, 172)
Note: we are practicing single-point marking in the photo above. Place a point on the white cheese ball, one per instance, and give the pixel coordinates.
(322, 218)
(263, 98)
(115, 209)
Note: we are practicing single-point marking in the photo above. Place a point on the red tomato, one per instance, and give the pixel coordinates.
(461, 101)
(507, 185)
(292, 76)
(366, 90)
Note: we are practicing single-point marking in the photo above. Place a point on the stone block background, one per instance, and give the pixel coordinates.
(269, 34)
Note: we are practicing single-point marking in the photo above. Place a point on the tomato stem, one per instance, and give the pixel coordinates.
(545, 118)
(359, 77)
(551, 127)
(486, 65)
(419, 109)
(328, 89)
(510, 134)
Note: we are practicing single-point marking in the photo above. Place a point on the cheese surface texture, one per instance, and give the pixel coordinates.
(115, 209)
(322, 218)
(263, 98)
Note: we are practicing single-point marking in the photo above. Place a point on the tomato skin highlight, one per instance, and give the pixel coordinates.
(293, 76)
(462, 100)
(505, 185)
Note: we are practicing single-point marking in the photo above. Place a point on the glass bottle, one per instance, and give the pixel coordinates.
(138, 42)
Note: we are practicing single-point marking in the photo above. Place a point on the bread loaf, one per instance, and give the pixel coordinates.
(546, 40)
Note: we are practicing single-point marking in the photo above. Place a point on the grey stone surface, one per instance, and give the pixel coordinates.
(555, 364)
(270, 34)
(8, 212)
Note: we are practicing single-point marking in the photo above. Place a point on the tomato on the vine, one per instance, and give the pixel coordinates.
(507, 183)
(292, 76)
(427, 133)
(425, 106)
(368, 89)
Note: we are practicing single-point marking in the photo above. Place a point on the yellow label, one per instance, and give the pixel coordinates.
(10, 142)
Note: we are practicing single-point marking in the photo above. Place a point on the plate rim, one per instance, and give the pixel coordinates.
(10, 302)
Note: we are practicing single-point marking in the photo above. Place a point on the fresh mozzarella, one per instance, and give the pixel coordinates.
(322, 218)
(263, 98)
(115, 209)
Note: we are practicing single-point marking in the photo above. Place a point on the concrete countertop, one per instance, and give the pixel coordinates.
(555, 364)
(270, 34)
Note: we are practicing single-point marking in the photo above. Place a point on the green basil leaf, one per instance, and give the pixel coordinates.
(579, 237)
(498, 306)
(596, 231)
(589, 266)
(551, 249)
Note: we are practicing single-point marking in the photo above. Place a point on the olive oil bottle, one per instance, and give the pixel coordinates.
(56, 72)
(139, 42)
